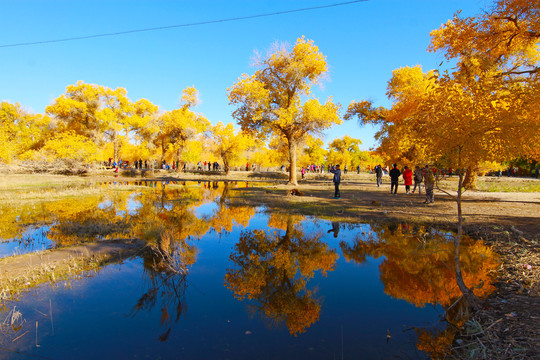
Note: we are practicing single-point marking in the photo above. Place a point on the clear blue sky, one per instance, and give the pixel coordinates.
(363, 42)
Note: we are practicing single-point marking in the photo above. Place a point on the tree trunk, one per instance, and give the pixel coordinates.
(178, 156)
(470, 177)
(292, 160)
(224, 194)
(162, 152)
(226, 166)
(116, 150)
(468, 293)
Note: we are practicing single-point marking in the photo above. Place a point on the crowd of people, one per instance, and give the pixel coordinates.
(419, 176)
(164, 165)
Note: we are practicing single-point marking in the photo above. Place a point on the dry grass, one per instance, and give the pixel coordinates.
(22, 181)
(507, 326)
(49, 273)
(23, 272)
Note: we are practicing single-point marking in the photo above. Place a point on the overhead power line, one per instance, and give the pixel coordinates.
(183, 25)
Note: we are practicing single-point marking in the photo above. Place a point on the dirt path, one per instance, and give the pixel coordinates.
(364, 201)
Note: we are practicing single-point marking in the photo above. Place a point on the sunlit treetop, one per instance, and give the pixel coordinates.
(506, 38)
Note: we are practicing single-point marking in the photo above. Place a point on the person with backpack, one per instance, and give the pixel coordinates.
(394, 179)
(418, 178)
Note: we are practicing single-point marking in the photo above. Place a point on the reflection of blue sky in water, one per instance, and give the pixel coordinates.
(93, 312)
(31, 240)
(206, 210)
(355, 310)
(105, 204)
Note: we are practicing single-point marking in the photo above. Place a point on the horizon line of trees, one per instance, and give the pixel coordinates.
(90, 124)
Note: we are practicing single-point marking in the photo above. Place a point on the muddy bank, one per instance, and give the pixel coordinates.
(22, 272)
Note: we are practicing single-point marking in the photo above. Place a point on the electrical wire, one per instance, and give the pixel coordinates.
(183, 25)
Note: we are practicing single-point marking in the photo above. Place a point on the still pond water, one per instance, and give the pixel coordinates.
(231, 282)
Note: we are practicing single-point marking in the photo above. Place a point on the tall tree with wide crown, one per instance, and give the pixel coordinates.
(273, 99)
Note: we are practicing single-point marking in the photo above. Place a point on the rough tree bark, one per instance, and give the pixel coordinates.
(292, 157)
(470, 178)
(471, 298)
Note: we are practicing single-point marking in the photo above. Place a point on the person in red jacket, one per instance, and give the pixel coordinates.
(407, 178)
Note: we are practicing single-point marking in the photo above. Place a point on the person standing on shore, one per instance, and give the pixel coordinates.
(418, 178)
(394, 179)
(429, 183)
(407, 178)
(337, 179)
(379, 173)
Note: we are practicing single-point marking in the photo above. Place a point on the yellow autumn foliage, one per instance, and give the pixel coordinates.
(271, 101)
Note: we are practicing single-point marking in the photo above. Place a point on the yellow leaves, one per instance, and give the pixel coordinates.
(409, 83)
(308, 60)
(344, 150)
(227, 145)
(190, 97)
(314, 151)
(270, 100)
(21, 133)
(366, 113)
(71, 146)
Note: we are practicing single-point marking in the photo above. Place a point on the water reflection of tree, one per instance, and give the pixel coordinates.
(165, 270)
(228, 214)
(274, 270)
(419, 267)
(109, 214)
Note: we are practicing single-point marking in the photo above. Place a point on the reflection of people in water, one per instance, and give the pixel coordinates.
(334, 229)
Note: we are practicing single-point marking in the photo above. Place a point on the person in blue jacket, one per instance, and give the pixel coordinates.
(337, 179)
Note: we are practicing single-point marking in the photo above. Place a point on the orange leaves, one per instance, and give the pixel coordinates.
(485, 111)
(419, 265)
(273, 269)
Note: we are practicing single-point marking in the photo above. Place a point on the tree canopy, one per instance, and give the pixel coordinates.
(271, 101)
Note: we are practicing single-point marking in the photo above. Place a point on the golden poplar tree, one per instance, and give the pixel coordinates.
(271, 101)
(229, 145)
(174, 129)
(274, 270)
(486, 110)
(21, 133)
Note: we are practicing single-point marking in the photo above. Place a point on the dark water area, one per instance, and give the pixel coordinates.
(234, 282)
